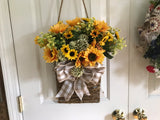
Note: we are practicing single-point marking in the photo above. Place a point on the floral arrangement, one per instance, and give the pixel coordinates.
(153, 53)
(80, 44)
(150, 37)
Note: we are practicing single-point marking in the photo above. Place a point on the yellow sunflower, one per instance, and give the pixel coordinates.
(65, 50)
(86, 19)
(50, 56)
(102, 43)
(110, 39)
(94, 33)
(73, 22)
(72, 55)
(117, 35)
(36, 40)
(93, 55)
(58, 28)
(101, 26)
(105, 38)
(68, 35)
(79, 59)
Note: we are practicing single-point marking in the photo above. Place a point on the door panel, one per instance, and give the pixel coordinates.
(37, 80)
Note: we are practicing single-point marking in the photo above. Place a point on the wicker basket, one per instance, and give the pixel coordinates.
(93, 98)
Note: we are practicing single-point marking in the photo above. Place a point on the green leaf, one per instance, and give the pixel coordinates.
(108, 55)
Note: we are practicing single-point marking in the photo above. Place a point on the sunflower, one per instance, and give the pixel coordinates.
(101, 26)
(86, 19)
(105, 38)
(65, 50)
(102, 42)
(94, 33)
(110, 39)
(68, 35)
(58, 28)
(117, 35)
(50, 56)
(79, 59)
(36, 40)
(93, 56)
(72, 55)
(73, 22)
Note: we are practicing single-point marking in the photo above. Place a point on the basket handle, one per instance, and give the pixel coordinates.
(60, 9)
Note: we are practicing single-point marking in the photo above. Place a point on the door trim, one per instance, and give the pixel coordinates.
(8, 61)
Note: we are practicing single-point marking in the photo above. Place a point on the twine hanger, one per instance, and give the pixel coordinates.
(60, 9)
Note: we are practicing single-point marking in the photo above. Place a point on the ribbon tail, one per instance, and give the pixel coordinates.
(80, 88)
(66, 90)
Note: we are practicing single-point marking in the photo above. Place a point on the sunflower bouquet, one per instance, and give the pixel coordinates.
(79, 47)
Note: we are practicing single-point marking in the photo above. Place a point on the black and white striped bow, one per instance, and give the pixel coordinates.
(77, 85)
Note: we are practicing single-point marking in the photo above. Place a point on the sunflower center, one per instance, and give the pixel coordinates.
(81, 58)
(72, 54)
(51, 54)
(68, 35)
(94, 33)
(66, 51)
(92, 56)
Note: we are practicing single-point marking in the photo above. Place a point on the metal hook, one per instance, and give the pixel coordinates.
(117, 115)
(139, 114)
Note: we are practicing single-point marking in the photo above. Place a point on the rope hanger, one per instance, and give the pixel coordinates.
(60, 9)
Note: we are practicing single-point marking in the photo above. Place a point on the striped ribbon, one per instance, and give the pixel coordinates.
(77, 85)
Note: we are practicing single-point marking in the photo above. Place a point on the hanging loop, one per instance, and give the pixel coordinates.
(60, 9)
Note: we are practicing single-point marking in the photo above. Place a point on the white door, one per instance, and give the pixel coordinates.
(37, 80)
(126, 83)
(144, 88)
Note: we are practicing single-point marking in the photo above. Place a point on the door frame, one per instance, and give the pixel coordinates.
(8, 61)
